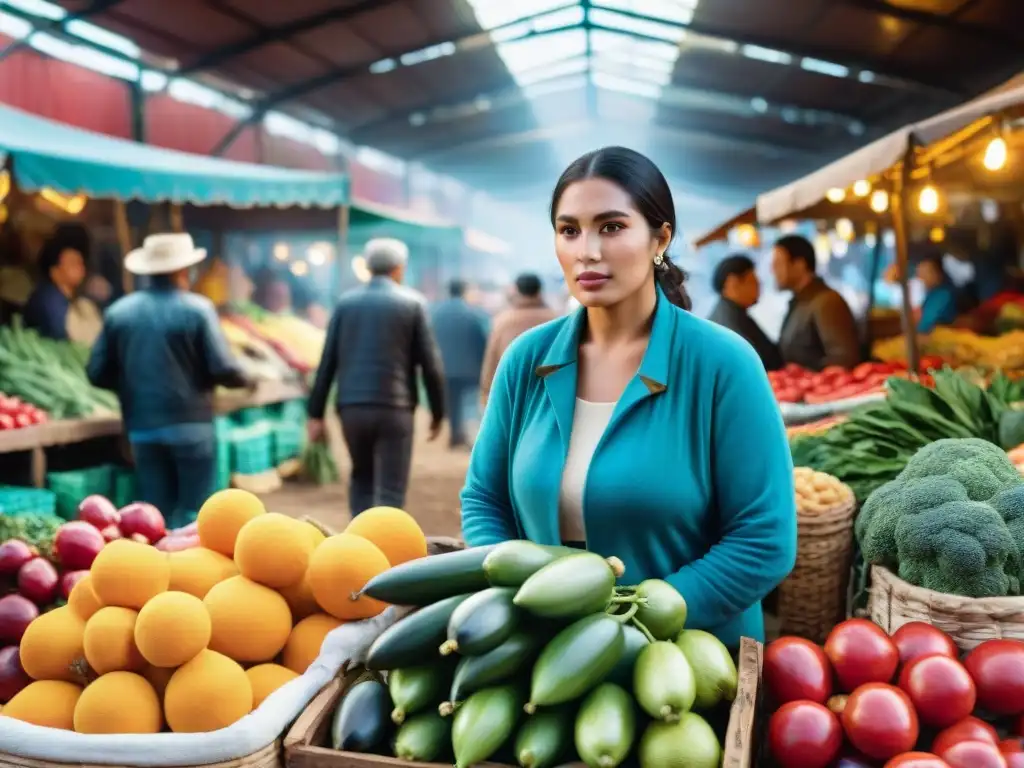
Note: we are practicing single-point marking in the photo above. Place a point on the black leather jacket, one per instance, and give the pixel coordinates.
(379, 337)
(163, 352)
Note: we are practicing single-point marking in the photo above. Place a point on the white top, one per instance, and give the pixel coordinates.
(588, 425)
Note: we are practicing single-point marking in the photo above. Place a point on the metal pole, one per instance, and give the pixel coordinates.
(341, 259)
(124, 239)
(900, 227)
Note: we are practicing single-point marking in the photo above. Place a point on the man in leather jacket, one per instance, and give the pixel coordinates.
(378, 339)
(162, 350)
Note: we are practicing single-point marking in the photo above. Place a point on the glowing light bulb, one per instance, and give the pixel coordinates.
(862, 188)
(836, 195)
(928, 200)
(281, 251)
(879, 201)
(844, 229)
(937, 234)
(870, 239)
(995, 154)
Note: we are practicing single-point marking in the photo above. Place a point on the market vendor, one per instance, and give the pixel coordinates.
(632, 427)
(62, 261)
(162, 350)
(940, 294)
(819, 329)
(735, 281)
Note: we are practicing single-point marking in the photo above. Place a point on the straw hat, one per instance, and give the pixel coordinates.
(163, 254)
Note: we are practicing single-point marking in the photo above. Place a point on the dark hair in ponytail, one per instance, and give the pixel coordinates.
(647, 187)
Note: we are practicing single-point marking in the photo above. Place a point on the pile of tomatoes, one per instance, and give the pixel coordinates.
(908, 701)
(794, 384)
(17, 414)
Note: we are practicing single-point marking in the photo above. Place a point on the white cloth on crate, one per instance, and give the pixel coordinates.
(345, 646)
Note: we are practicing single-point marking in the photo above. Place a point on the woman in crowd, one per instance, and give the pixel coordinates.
(632, 427)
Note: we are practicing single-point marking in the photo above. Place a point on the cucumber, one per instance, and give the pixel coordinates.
(414, 638)
(484, 722)
(512, 562)
(545, 737)
(569, 587)
(424, 738)
(636, 641)
(428, 579)
(691, 742)
(664, 613)
(497, 665)
(578, 658)
(414, 689)
(663, 682)
(605, 726)
(361, 722)
(481, 623)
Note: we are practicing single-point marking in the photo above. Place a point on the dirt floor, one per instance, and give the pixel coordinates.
(433, 497)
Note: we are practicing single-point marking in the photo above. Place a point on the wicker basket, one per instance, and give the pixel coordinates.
(970, 621)
(271, 756)
(812, 599)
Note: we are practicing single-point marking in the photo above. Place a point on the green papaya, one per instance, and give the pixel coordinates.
(713, 668)
(497, 665)
(662, 610)
(424, 738)
(663, 682)
(511, 563)
(605, 726)
(545, 737)
(635, 641)
(484, 722)
(481, 623)
(414, 689)
(570, 587)
(689, 742)
(361, 722)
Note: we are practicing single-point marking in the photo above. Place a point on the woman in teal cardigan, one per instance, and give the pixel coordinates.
(632, 427)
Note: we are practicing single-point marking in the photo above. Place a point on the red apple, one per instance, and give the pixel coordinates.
(68, 581)
(98, 511)
(12, 676)
(144, 520)
(14, 553)
(76, 545)
(16, 613)
(38, 581)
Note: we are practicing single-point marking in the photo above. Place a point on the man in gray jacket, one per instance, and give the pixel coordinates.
(378, 341)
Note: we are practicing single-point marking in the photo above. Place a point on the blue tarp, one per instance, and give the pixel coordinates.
(45, 153)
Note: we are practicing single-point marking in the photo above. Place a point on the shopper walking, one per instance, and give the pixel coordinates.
(161, 349)
(632, 427)
(378, 340)
(528, 310)
(461, 332)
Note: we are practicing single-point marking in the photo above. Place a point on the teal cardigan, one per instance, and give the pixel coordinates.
(692, 481)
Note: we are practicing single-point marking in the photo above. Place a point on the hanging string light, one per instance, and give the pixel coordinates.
(995, 154)
(928, 201)
(844, 229)
(937, 234)
(862, 188)
(879, 201)
(836, 195)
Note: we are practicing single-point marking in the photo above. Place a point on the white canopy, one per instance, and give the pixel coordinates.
(880, 155)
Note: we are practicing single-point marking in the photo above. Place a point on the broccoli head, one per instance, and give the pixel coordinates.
(983, 468)
(952, 520)
(959, 548)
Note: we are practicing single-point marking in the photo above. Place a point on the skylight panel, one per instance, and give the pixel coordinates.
(678, 11)
(14, 27)
(103, 37)
(573, 66)
(626, 71)
(626, 85)
(533, 52)
(638, 26)
(84, 56)
(560, 85)
(495, 13)
(40, 8)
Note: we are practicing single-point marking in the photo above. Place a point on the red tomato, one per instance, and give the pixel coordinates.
(917, 760)
(997, 667)
(860, 653)
(940, 688)
(804, 734)
(23, 420)
(880, 721)
(796, 669)
(1006, 746)
(968, 729)
(918, 639)
(974, 754)
(6, 422)
(1014, 759)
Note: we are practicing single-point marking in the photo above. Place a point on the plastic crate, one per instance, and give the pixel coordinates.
(16, 501)
(71, 487)
(289, 430)
(125, 487)
(222, 431)
(252, 449)
(249, 417)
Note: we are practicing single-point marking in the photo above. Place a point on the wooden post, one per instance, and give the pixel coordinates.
(341, 258)
(124, 239)
(175, 218)
(900, 227)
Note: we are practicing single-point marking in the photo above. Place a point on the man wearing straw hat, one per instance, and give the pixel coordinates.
(162, 350)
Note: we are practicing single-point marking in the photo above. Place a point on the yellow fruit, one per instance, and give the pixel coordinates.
(250, 622)
(316, 536)
(395, 532)
(119, 702)
(300, 599)
(265, 679)
(197, 569)
(172, 629)
(207, 693)
(222, 517)
(339, 568)
(109, 641)
(273, 550)
(127, 574)
(304, 642)
(49, 703)
(52, 645)
(158, 678)
(83, 600)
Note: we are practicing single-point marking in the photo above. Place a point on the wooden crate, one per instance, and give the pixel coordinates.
(268, 757)
(303, 744)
